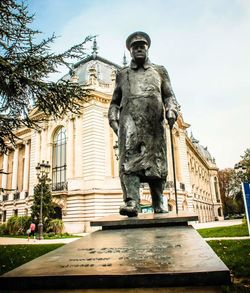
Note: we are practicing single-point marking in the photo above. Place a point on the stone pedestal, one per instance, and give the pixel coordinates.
(140, 257)
(144, 220)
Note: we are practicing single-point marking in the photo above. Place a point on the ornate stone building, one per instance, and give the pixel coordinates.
(84, 169)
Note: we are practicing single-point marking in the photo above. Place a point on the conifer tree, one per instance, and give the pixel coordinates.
(25, 65)
(42, 191)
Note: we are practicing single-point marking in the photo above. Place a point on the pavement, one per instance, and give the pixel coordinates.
(228, 238)
(10, 240)
(217, 224)
(14, 241)
(221, 224)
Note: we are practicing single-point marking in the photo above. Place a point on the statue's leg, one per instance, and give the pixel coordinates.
(156, 189)
(131, 195)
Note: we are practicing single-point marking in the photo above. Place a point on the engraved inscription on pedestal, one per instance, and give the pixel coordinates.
(120, 256)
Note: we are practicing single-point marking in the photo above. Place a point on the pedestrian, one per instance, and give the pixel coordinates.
(31, 230)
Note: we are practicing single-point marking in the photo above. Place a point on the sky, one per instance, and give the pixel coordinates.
(204, 45)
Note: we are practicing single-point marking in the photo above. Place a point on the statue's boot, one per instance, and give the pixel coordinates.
(156, 189)
(130, 185)
(160, 210)
(130, 209)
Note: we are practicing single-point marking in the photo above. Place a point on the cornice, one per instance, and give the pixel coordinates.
(181, 123)
(99, 97)
(23, 131)
(198, 154)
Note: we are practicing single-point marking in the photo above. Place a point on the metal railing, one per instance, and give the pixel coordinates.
(180, 185)
(170, 184)
(16, 195)
(5, 197)
(59, 186)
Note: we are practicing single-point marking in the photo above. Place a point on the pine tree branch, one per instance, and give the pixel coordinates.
(24, 69)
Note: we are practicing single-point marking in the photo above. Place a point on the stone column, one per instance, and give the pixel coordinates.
(14, 174)
(111, 153)
(78, 147)
(26, 170)
(70, 149)
(44, 145)
(185, 173)
(38, 148)
(5, 169)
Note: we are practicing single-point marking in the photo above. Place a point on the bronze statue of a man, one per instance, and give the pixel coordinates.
(142, 98)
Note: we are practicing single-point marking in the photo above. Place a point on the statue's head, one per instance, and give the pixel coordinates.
(138, 44)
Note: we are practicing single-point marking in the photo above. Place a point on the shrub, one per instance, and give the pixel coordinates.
(11, 225)
(56, 226)
(18, 225)
(49, 235)
(23, 223)
(3, 229)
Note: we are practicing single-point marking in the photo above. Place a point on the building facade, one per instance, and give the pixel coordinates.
(84, 169)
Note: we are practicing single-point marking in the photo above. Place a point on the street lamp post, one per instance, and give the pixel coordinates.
(42, 171)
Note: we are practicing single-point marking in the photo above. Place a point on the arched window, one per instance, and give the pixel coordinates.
(184, 205)
(59, 160)
(58, 213)
(219, 212)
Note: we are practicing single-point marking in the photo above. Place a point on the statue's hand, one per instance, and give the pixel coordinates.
(115, 126)
(171, 116)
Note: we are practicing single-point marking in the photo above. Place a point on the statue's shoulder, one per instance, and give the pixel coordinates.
(120, 72)
(161, 70)
(123, 69)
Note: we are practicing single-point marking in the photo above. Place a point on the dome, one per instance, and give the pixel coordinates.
(204, 151)
(201, 149)
(98, 67)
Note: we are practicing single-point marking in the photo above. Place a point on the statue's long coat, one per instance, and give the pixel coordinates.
(140, 99)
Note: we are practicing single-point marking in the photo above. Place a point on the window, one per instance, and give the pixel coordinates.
(58, 213)
(4, 216)
(59, 160)
(219, 212)
(26, 212)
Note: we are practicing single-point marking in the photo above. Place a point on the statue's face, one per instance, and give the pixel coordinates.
(139, 51)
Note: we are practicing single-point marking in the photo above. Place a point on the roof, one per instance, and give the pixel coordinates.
(202, 150)
(100, 68)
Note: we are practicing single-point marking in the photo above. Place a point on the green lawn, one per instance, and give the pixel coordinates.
(12, 256)
(236, 255)
(230, 231)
